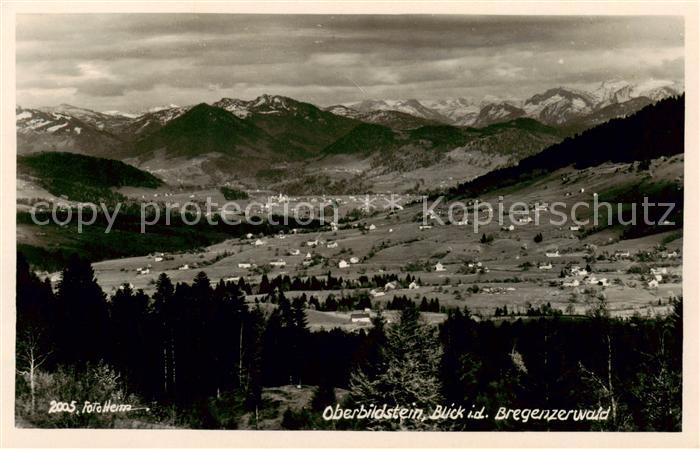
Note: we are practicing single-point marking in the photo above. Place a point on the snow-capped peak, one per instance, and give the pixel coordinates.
(120, 114)
(161, 108)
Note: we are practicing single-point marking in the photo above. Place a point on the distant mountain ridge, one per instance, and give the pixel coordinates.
(557, 106)
(242, 136)
(618, 140)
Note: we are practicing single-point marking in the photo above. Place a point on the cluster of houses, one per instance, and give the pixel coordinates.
(346, 263)
(580, 276)
(657, 276)
(475, 267)
(393, 285)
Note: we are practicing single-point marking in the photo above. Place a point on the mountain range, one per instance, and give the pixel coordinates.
(274, 129)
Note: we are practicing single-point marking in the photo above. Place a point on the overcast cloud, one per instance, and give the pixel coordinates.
(131, 62)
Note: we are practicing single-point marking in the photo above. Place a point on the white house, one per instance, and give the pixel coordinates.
(574, 228)
(184, 267)
(390, 286)
(232, 279)
(376, 293)
(413, 286)
(249, 235)
(278, 263)
(308, 256)
(244, 265)
(572, 283)
(332, 245)
(312, 242)
(578, 271)
(545, 266)
(354, 260)
(372, 227)
(294, 252)
(143, 270)
(653, 283)
(508, 228)
(423, 227)
(439, 267)
(343, 264)
(258, 242)
(554, 254)
(157, 259)
(362, 317)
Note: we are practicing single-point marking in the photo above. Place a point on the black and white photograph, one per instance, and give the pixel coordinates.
(405, 222)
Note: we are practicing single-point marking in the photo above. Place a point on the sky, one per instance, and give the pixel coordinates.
(130, 62)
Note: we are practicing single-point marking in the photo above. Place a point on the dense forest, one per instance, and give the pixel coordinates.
(202, 355)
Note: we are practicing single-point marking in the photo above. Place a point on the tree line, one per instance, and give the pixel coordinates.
(203, 356)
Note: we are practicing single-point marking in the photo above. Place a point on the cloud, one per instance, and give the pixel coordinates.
(132, 61)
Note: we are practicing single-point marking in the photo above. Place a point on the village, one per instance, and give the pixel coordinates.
(522, 265)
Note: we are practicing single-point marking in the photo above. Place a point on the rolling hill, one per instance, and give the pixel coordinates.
(83, 178)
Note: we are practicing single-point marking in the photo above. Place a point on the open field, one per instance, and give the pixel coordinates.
(512, 270)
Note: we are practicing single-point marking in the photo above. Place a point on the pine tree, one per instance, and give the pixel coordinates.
(408, 373)
(83, 314)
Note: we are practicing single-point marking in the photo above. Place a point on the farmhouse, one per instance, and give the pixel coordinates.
(371, 227)
(574, 228)
(653, 283)
(578, 271)
(294, 252)
(184, 267)
(554, 254)
(361, 317)
(390, 286)
(278, 263)
(422, 227)
(572, 283)
(244, 265)
(157, 259)
(439, 267)
(308, 256)
(258, 242)
(354, 260)
(312, 242)
(413, 285)
(343, 264)
(545, 266)
(143, 270)
(332, 245)
(376, 293)
(249, 235)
